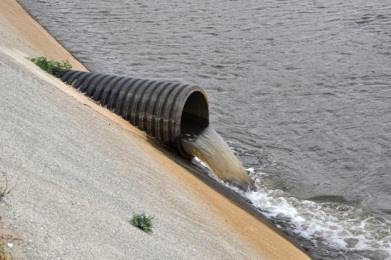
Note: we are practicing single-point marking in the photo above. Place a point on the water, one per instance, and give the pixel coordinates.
(211, 149)
(299, 89)
(329, 230)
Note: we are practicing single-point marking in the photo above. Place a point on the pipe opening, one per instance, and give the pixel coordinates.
(195, 114)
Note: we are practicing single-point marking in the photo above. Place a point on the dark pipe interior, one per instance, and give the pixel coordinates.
(195, 115)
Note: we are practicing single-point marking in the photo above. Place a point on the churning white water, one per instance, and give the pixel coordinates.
(347, 231)
(337, 230)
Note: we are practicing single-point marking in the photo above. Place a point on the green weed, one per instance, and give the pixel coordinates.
(142, 221)
(56, 68)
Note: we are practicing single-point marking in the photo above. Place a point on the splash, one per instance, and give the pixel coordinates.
(349, 231)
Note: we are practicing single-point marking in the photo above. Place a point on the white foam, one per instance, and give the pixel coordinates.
(339, 226)
(342, 227)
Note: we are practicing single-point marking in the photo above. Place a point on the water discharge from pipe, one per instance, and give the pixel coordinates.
(209, 147)
(169, 111)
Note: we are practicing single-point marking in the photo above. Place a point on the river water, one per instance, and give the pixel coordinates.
(301, 90)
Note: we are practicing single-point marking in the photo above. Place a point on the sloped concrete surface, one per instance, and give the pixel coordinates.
(78, 178)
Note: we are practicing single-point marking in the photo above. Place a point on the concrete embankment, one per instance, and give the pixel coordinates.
(79, 172)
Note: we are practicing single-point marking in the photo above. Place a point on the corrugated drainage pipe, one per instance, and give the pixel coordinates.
(163, 109)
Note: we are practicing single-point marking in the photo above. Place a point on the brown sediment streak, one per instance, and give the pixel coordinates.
(269, 243)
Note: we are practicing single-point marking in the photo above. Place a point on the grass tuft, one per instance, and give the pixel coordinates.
(143, 222)
(55, 68)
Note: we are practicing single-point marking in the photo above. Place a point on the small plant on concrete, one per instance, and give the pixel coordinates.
(143, 222)
(56, 68)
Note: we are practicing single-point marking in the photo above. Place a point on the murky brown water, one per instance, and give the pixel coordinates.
(210, 148)
(300, 89)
